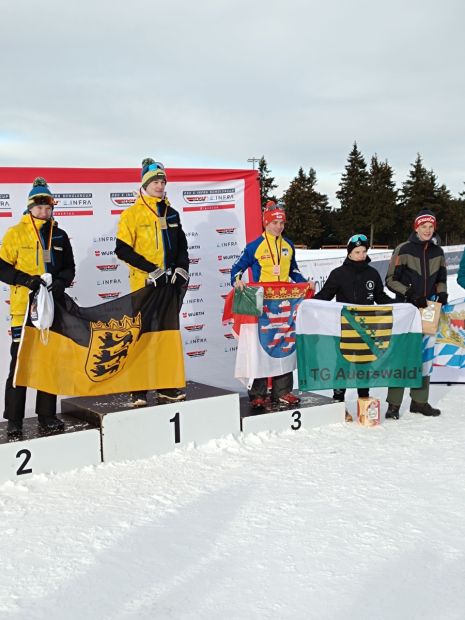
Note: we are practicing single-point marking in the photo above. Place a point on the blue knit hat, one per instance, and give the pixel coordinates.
(152, 170)
(40, 193)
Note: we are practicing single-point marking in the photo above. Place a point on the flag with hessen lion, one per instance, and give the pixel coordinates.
(266, 344)
(125, 345)
(344, 346)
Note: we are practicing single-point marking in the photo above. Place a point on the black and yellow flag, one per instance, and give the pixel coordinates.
(125, 345)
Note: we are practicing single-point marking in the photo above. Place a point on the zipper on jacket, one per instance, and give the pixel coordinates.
(424, 265)
(37, 253)
(156, 234)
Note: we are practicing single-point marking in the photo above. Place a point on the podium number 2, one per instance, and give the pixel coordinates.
(22, 468)
(177, 428)
(297, 423)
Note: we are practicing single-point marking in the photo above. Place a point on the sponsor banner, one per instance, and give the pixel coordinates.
(343, 346)
(220, 213)
(5, 205)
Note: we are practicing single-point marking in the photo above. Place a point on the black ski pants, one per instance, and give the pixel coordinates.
(15, 397)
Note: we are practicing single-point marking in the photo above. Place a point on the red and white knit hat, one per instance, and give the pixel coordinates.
(273, 211)
(425, 216)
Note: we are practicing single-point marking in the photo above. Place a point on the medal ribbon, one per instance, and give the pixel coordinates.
(39, 239)
(277, 252)
(149, 207)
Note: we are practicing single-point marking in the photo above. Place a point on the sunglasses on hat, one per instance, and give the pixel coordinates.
(156, 166)
(356, 238)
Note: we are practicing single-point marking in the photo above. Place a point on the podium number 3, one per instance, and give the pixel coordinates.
(297, 422)
(177, 428)
(27, 457)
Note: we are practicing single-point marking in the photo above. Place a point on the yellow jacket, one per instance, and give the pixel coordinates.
(144, 244)
(21, 256)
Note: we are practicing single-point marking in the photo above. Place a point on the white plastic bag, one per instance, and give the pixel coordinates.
(42, 308)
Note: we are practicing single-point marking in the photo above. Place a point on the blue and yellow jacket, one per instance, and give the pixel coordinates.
(262, 256)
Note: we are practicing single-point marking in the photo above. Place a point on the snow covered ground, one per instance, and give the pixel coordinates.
(340, 523)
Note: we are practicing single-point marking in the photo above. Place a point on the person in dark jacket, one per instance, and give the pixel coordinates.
(354, 282)
(417, 272)
(29, 249)
(150, 239)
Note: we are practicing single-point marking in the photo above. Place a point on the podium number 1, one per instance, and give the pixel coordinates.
(177, 428)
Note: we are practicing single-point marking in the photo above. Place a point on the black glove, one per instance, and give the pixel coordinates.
(442, 298)
(420, 302)
(180, 276)
(33, 283)
(157, 276)
(58, 287)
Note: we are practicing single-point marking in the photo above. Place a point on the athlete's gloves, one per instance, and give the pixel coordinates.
(33, 283)
(180, 276)
(442, 298)
(158, 276)
(419, 302)
(58, 287)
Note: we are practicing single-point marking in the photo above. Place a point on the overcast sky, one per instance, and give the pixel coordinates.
(214, 82)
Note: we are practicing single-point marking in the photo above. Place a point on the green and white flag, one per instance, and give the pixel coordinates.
(344, 346)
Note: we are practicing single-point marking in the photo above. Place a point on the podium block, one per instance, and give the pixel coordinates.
(39, 453)
(312, 411)
(136, 433)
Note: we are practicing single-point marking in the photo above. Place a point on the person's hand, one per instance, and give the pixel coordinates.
(154, 276)
(58, 287)
(180, 276)
(311, 284)
(442, 298)
(239, 284)
(420, 302)
(34, 283)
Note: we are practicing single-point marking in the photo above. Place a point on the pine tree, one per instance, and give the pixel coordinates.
(382, 200)
(419, 191)
(354, 196)
(305, 209)
(267, 184)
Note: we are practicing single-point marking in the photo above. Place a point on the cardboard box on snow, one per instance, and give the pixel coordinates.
(369, 411)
